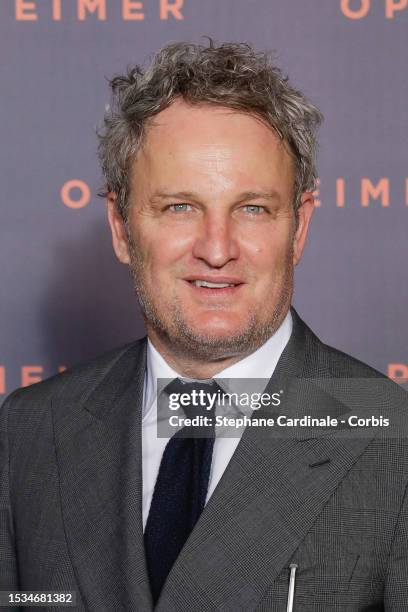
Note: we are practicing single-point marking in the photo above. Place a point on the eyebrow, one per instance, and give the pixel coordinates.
(245, 195)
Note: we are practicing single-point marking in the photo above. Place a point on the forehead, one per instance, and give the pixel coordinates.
(188, 142)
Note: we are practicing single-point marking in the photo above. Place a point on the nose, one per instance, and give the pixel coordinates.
(216, 243)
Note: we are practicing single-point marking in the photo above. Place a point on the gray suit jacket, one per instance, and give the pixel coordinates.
(334, 503)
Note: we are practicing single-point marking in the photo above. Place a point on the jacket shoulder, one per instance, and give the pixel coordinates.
(345, 365)
(321, 356)
(76, 382)
(363, 381)
(324, 361)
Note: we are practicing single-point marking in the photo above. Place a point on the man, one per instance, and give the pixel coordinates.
(208, 157)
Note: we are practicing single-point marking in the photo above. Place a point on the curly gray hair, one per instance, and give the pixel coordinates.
(230, 74)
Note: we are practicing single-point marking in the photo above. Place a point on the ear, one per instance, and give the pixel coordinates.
(305, 212)
(117, 226)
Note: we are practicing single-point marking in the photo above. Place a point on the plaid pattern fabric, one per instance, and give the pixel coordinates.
(71, 491)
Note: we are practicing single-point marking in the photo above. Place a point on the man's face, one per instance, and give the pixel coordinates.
(211, 236)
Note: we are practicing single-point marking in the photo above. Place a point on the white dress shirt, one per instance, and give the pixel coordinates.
(260, 364)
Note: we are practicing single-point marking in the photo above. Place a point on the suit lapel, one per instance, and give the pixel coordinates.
(268, 498)
(99, 459)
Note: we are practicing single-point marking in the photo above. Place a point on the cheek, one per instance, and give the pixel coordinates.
(162, 254)
(176, 243)
(268, 253)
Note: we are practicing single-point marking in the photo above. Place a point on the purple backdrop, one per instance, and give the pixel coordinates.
(64, 298)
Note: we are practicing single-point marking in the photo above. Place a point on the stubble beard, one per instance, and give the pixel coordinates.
(181, 339)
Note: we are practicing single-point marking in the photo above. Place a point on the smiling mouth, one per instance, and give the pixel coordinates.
(203, 283)
(209, 288)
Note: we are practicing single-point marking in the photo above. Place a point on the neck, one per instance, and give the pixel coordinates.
(190, 367)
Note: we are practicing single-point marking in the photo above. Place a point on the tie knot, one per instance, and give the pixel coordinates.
(194, 397)
(196, 400)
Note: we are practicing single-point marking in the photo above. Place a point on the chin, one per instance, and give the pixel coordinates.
(217, 326)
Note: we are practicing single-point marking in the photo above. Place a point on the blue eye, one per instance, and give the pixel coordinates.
(180, 207)
(254, 209)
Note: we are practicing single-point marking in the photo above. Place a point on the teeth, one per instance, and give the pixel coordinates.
(202, 283)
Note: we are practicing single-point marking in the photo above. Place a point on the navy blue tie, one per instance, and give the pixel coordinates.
(180, 490)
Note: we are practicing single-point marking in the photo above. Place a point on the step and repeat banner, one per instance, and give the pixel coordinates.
(65, 298)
